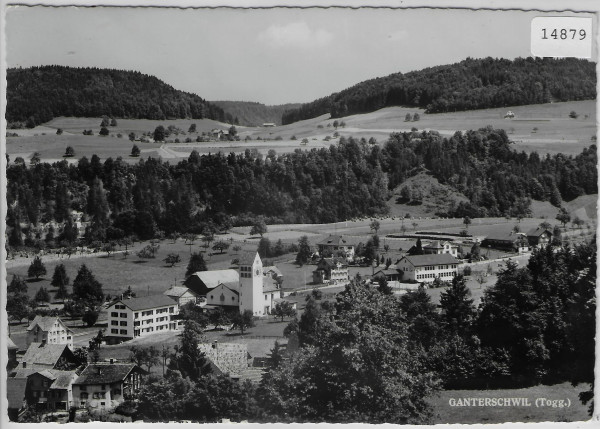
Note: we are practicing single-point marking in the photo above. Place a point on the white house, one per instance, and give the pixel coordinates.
(426, 268)
(135, 317)
(438, 248)
(182, 295)
(336, 245)
(49, 330)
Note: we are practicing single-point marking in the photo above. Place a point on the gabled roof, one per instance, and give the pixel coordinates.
(15, 391)
(269, 284)
(248, 258)
(212, 278)
(45, 323)
(106, 373)
(178, 291)
(63, 380)
(224, 286)
(335, 240)
(388, 272)
(272, 269)
(434, 245)
(145, 302)
(536, 232)
(434, 259)
(45, 354)
(10, 344)
(332, 262)
(503, 236)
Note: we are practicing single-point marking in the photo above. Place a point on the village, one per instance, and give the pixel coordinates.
(54, 368)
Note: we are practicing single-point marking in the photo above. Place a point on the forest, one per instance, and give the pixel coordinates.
(468, 85)
(36, 95)
(350, 179)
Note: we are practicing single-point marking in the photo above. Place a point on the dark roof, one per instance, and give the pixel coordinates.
(45, 323)
(45, 354)
(15, 391)
(331, 262)
(63, 379)
(421, 260)
(106, 373)
(145, 302)
(503, 236)
(211, 279)
(178, 291)
(388, 272)
(335, 240)
(536, 232)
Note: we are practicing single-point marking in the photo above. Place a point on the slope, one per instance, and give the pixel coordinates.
(254, 114)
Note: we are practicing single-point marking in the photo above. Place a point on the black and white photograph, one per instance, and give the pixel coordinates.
(292, 213)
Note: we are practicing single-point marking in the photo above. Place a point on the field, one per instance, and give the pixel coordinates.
(544, 128)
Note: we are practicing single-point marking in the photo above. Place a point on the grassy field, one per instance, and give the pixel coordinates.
(470, 415)
(545, 128)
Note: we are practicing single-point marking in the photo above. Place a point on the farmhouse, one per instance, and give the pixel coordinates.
(439, 248)
(49, 356)
(182, 295)
(50, 330)
(49, 389)
(426, 268)
(134, 317)
(332, 271)
(104, 386)
(512, 242)
(336, 245)
(203, 281)
(539, 237)
(390, 274)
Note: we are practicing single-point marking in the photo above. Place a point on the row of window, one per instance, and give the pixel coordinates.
(117, 323)
(117, 331)
(433, 275)
(120, 307)
(116, 314)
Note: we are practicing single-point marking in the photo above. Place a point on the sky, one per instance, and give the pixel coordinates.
(272, 56)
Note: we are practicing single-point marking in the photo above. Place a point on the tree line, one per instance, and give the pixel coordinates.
(213, 192)
(37, 94)
(467, 85)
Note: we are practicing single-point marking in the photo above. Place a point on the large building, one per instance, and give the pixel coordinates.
(257, 291)
(203, 281)
(50, 330)
(48, 356)
(427, 268)
(511, 242)
(336, 245)
(135, 317)
(539, 237)
(331, 271)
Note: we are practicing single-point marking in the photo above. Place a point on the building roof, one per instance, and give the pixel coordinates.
(106, 373)
(44, 354)
(332, 262)
(335, 240)
(45, 323)
(248, 258)
(434, 259)
(388, 272)
(502, 236)
(178, 291)
(272, 269)
(269, 284)
(63, 380)
(145, 302)
(536, 232)
(10, 344)
(212, 278)
(15, 391)
(227, 287)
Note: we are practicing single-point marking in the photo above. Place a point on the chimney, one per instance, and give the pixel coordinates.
(112, 361)
(215, 344)
(43, 343)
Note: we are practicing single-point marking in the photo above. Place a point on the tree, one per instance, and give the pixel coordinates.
(408, 117)
(17, 306)
(132, 137)
(258, 227)
(104, 131)
(563, 216)
(304, 252)
(35, 158)
(105, 121)
(545, 225)
(195, 264)
(60, 280)
(284, 309)
(42, 295)
(457, 309)
(187, 357)
(59, 131)
(221, 246)
(148, 356)
(90, 317)
(113, 122)
(375, 225)
(243, 320)
(146, 253)
(172, 259)
(467, 221)
(86, 289)
(416, 117)
(189, 239)
(414, 225)
(159, 133)
(69, 152)
(573, 114)
(383, 286)
(37, 268)
(135, 151)
(232, 132)
(192, 128)
(577, 222)
(417, 249)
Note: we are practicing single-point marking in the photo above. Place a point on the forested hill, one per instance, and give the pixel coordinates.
(37, 94)
(253, 114)
(467, 85)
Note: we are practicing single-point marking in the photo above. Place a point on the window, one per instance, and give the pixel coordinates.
(137, 315)
(123, 323)
(102, 403)
(114, 323)
(83, 395)
(114, 314)
(123, 331)
(114, 331)
(83, 388)
(123, 314)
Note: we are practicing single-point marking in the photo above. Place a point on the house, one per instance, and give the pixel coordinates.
(48, 389)
(273, 272)
(332, 271)
(105, 385)
(15, 392)
(48, 329)
(257, 292)
(222, 295)
(49, 356)
(426, 268)
(336, 245)
(182, 295)
(509, 115)
(438, 248)
(202, 281)
(134, 317)
(539, 237)
(512, 242)
(390, 274)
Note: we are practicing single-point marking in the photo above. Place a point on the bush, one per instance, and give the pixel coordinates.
(467, 271)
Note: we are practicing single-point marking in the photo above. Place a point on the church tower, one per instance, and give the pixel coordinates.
(251, 285)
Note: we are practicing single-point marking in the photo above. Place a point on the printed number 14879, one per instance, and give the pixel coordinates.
(563, 33)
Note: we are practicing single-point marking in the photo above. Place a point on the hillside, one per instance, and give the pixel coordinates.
(467, 85)
(253, 114)
(38, 94)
